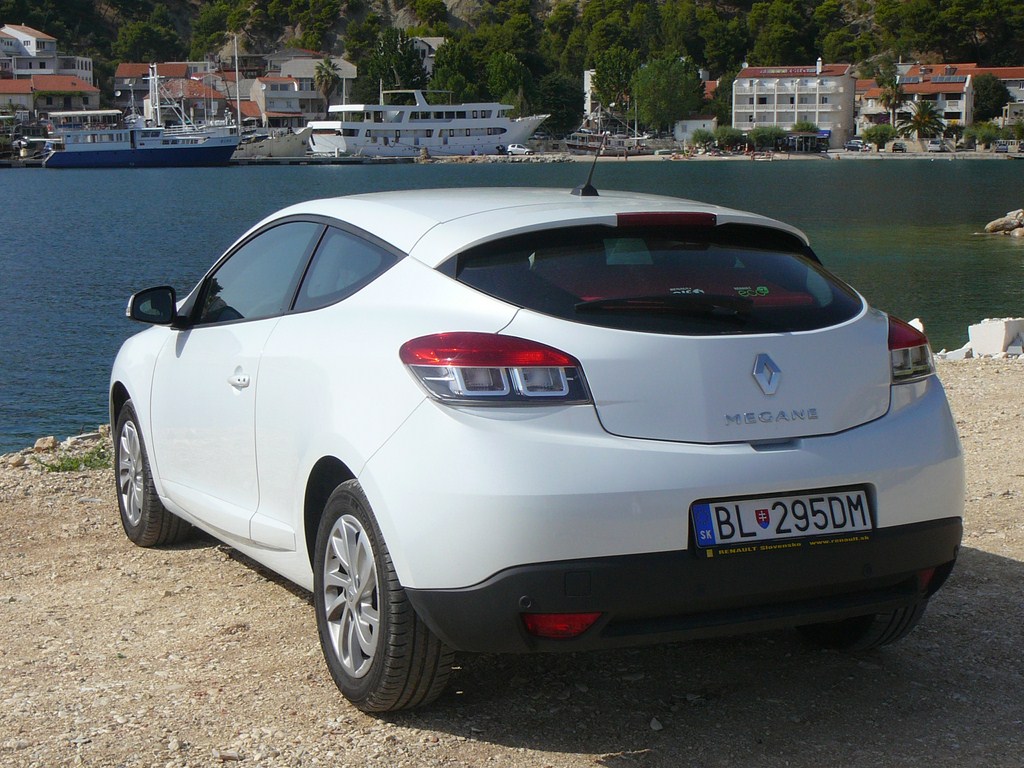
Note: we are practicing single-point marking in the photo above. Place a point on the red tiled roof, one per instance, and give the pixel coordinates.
(827, 70)
(135, 69)
(15, 87)
(710, 86)
(249, 108)
(178, 88)
(31, 32)
(62, 83)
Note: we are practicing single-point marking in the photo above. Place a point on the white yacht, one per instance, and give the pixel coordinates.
(405, 130)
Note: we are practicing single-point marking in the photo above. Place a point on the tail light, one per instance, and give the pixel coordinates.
(909, 352)
(490, 369)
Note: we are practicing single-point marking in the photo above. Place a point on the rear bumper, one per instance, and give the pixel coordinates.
(667, 596)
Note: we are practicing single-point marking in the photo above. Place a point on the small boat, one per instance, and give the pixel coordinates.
(103, 139)
(407, 130)
(603, 132)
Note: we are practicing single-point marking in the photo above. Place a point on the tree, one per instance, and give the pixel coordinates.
(509, 80)
(990, 96)
(982, 133)
(394, 63)
(781, 32)
(804, 126)
(326, 78)
(613, 76)
(151, 40)
(561, 97)
(767, 136)
(728, 137)
(702, 137)
(879, 135)
(924, 121)
(666, 90)
(892, 96)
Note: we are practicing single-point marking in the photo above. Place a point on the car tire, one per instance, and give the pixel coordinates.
(381, 655)
(862, 633)
(145, 520)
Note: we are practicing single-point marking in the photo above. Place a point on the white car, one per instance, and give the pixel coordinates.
(518, 149)
(513, 420)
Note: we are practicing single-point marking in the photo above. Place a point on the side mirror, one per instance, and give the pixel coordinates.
(155, 306)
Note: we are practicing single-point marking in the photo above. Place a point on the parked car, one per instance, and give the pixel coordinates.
(898, 146)
(854, 145)
(527, 420)
(518, 149)
(936, 145)
(1002, 146)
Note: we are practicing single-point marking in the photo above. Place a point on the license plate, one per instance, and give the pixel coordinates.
(735, 522)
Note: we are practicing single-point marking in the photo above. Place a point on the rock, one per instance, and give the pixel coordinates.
(993, 336)
(1005, 224)
(1018, 232)
(964, 353)
(44, 444)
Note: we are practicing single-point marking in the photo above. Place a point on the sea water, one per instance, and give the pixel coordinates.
(74, 244)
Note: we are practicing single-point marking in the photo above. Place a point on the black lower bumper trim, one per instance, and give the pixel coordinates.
(677, 595)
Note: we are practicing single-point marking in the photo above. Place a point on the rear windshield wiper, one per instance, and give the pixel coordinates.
(692, 304)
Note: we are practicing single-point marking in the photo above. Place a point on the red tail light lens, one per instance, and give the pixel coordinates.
(559, 626)
(909, 352)
(488, 368)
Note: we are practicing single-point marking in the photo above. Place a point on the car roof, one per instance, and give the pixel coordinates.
(432, 224)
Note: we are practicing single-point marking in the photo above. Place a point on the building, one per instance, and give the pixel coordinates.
(683, 130)
(427, 47)
(16, 96)
(311, 101)
(26, 52)
(60, 93)
(822, 94)
(278, 100)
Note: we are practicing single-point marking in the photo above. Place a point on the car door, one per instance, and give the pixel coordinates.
(207, 376)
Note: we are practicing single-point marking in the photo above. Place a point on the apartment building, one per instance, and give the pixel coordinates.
(26, 52)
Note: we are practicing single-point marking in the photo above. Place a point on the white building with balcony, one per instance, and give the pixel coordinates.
(949, 87)
(821, 94)
(27, 52)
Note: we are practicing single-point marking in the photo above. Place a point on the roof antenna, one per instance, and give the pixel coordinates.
(587, 189)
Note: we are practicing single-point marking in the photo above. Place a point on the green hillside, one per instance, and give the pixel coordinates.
(534, 51)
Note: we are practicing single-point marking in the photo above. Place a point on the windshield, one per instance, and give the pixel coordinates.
(679, 280)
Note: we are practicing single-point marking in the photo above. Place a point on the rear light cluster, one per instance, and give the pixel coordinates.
(909, 352)
(490, 369)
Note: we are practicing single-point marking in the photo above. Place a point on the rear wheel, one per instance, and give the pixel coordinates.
(143, 517)
(380, 654)
(862, 633)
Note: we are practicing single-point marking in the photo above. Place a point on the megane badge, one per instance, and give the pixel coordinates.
(767, 374)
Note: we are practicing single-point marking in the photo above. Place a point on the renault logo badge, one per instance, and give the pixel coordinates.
(767, 374)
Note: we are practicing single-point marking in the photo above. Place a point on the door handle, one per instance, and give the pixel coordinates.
(239, 380)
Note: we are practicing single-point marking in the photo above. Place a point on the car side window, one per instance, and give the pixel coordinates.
(259, 279)
(343, 264)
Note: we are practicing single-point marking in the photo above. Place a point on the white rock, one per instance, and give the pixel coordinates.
(990, 337)
(44, 444)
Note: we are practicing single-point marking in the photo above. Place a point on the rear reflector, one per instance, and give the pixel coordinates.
(559, 626)
(666, 219)
(909, 352)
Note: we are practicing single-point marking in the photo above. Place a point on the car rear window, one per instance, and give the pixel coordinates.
(730, 279)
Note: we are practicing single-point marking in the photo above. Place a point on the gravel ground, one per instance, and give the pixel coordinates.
(191, 656)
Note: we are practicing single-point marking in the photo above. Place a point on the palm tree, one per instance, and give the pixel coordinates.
(326, 78)
(892, 97)
(924, 121)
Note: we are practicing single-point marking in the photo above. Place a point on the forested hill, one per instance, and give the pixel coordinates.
(544, 38)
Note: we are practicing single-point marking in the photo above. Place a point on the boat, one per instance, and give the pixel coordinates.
(603, 132)
(409, 130)
(102, 138)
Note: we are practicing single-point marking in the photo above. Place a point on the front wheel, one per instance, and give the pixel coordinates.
(862, 633)
(144, 519)
(379, 652)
